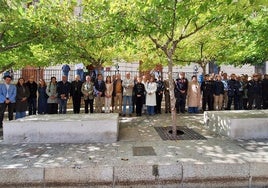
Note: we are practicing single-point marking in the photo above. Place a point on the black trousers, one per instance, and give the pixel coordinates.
(32, 104)
(233, 99)
(180, 102)
(254, 98)
(159, 98)
(90, 103)
(76, 104)
(265, 102)
(133, 103)
(139, 104)
(207, 100)
(3, 107)
(52, 108)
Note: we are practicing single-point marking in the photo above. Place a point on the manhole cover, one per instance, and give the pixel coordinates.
(183, 133)
(143, 151)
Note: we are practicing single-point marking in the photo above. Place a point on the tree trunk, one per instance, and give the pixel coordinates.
(172, 97)
(203, 66)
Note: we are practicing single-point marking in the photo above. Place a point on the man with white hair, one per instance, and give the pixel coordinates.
(76, 94)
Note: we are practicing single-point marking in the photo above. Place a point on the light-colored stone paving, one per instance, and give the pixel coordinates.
(216, 162)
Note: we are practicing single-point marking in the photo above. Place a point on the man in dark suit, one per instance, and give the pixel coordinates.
(99, 89)
(63, 90)
(181, 88)
(32, 99)
(76, 94)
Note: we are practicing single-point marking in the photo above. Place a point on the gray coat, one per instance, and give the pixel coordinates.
(52, 93)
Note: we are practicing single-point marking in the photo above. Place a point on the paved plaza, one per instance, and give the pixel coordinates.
(140, 158)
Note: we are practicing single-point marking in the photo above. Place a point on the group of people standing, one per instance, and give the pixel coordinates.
(223, 92)
(20, 97)
(138, 94)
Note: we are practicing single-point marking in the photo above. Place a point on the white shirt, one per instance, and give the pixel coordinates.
(7, 86)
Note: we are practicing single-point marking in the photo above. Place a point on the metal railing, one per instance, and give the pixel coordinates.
(46, 74)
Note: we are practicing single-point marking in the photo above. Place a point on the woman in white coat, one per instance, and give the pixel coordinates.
(150, 88)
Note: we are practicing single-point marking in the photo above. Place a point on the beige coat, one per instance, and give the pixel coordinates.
(193, 94)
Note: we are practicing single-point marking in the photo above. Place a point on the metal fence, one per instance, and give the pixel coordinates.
(46, 74)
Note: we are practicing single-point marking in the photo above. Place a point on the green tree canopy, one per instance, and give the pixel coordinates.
(155, 31)
(247, 39)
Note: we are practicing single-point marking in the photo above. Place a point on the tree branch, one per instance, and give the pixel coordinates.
(155, 42)
(16, 44)
(201, 50)
(197, 28)
(174, 19)
(5, 67)
(150, 21)
(185, 27)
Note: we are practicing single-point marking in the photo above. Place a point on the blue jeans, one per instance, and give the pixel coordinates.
(193, 110)
(62, 106)
(150, 110)
(127, 100)
(20, 115)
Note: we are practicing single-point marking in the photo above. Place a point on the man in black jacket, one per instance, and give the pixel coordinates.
(63, 90)
(233, 92)
(218, 93)
(254, 92)
(207, 89)
(76, 94)
(32, 99)
(139, 91)
(181, 88)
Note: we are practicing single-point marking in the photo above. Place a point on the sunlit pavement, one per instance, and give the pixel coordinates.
(179, 162)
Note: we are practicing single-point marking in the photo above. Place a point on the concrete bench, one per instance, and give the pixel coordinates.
(67, 128)
(238, 124)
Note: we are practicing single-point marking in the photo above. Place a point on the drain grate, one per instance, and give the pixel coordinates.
(143, 151)
(183, 133)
